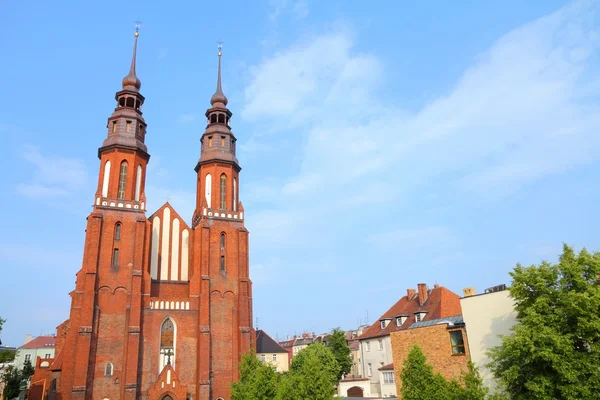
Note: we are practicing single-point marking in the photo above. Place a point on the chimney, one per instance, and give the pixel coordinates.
(27, 338)
(422, 287)
(470, 291)
(410, 293)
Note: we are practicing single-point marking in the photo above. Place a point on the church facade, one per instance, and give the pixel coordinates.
(162, 308)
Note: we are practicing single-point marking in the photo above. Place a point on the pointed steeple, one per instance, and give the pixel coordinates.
(219, 97)
(131, 81)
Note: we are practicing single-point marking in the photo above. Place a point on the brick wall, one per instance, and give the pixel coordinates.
(434, 341)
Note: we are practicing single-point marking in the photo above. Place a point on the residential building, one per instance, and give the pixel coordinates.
(270, 352)
(288, 345)
(375, 343)
(162, 306)
(40, 381)
(486, 316)
(443, 341)
(41, 346)
(354, 345)
(303, 342)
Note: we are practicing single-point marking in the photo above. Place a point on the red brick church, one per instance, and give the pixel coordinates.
(162, 309)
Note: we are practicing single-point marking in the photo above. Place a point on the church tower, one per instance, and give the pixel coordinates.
(220, 251)
(101, 340)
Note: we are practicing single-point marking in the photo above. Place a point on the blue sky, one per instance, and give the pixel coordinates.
(381, 146)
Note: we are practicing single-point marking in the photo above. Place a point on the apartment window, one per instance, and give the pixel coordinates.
(368, 346)
(27, 357)
(382, 324)
(47, 355)
(418, 317)
(369, 370)
(380, 344)
(262, 357)
(388, 377)
(458, 344)
(274, 357)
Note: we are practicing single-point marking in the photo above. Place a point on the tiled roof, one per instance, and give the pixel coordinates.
(287, 343)
(304, 341)
(266, 344)
(386, 367)
(454, 320)
(40, 342)
(440, 303)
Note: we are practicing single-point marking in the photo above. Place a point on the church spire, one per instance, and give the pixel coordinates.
(219, 97)
(131, 81)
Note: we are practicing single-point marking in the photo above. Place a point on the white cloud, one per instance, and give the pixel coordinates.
(521, 112)
(297, 8)
(54, 175)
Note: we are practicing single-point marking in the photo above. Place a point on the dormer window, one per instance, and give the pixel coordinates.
(401, 319)
(384, 323)
(420, 315)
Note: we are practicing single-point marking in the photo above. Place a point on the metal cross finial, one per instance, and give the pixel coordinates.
(138, 23)
(220, 47)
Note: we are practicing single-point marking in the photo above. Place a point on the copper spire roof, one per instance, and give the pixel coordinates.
(131, 80)
(219, 97)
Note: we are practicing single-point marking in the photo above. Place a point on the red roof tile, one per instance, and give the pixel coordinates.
(40, 342)
(385, 367)
(440, 303)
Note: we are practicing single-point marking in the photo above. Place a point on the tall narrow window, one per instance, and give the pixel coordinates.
(138, 183)
(114, 126)
(210, 141)
(106, 179)
(115, 260)
(122, 180)
(128, 126)
(223, 191)
(222, 141)
(118, 231)
(208, 189)
(167, 344)
(234, 194)
(222, 259)
(108, 370)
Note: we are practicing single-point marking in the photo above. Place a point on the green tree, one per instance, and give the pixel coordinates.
(258, 381)
(553, 351)
(2, 321)
(471, 385)
(420, 382)
(339, 347)
(7, 356)
(28, 370)
(12, 379)
(312, 375)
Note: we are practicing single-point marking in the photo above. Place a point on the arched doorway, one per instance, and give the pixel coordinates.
(167, 397)
(355, 391)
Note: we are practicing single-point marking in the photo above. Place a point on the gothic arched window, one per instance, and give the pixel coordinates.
(234, 195)
(208, 189)
(222, 260)
(122, 180)
(223, 191)
(118, 231)
(167, 343)
(108, 370)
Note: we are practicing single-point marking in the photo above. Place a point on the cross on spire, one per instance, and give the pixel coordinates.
(138, 23)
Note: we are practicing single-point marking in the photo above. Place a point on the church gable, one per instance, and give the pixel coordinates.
(167, 384)
(169, 246)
